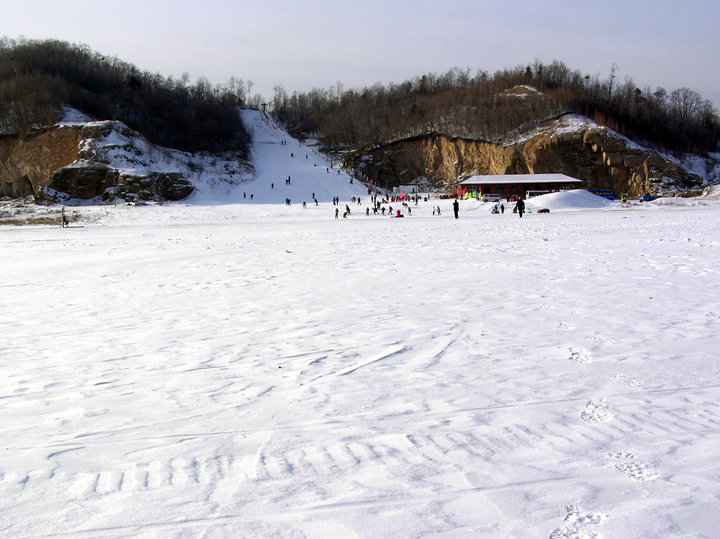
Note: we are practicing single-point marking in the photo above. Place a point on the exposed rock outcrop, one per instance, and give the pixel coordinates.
(27, 162)
(97, 160)
(597, 156)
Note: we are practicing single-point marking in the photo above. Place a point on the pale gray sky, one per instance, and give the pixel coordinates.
(315, 43)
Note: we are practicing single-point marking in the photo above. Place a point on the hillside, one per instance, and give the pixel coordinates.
(39, 77)
(438, 128)
(435, 129)
(494, 107)
(87, 161)
(79, 161)
(570, 145)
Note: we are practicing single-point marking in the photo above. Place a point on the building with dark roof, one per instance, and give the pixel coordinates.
(514, 186)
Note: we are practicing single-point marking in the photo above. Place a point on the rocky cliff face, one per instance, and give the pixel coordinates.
(27, 162)
(96, 160)
(597, 156)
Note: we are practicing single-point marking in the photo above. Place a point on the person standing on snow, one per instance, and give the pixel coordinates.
(456, 208)
(520, 206)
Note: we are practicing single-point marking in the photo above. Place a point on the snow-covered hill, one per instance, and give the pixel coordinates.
(276, 157)
(217, 179)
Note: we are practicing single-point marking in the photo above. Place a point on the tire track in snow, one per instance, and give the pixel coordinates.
(711, 420)
(308, 458)
(295, 514)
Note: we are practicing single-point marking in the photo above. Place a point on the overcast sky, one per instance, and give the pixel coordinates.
(315, 43)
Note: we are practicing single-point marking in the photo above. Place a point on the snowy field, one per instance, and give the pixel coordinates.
(232, 369)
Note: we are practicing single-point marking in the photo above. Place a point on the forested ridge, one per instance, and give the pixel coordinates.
(496, 107)
(38, 77)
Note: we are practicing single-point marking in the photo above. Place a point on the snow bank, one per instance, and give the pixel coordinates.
(577, 199)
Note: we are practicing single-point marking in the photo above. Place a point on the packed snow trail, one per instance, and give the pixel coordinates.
(276, 157)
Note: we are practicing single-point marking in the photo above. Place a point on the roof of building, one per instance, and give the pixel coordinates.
(498, 179)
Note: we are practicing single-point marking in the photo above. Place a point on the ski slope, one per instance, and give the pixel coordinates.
(221, 368)
(277, 157)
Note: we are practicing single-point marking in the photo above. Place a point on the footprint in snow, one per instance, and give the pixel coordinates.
(620, 377)
(579, 355)
(595, 411)
(577, 516)
(636, 471)
(572, 533)
(602, 340)
(618, 455)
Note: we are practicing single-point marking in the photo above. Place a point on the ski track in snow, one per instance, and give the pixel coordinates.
(256, 370)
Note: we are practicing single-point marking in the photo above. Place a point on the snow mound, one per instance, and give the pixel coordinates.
(711, 193)
(574, 200)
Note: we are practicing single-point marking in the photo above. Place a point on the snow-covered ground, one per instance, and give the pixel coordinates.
(227, 368)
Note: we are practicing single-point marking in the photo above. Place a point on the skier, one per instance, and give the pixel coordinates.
(456, 208)
(520, 207)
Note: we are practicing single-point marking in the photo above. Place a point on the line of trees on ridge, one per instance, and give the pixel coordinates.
(496, 107)
(38, 77)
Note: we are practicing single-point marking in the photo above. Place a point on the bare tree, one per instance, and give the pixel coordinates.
(685, 103)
